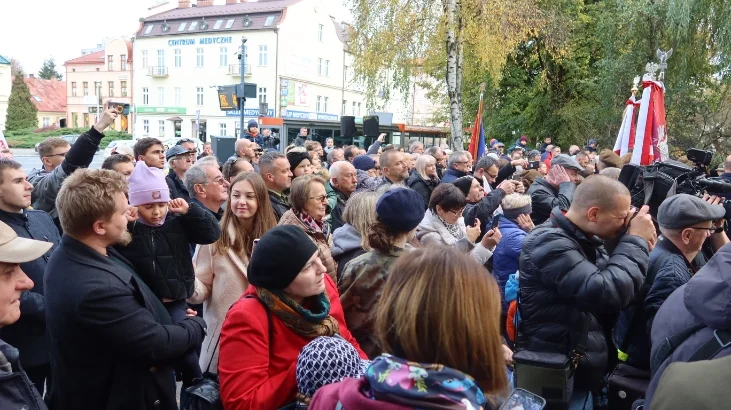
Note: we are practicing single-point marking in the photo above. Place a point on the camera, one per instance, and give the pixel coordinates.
(533, 164)
(122, 108)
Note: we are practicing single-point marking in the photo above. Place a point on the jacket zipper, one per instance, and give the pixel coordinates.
(153, 253)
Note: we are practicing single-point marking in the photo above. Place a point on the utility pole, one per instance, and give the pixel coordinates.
(242, 98)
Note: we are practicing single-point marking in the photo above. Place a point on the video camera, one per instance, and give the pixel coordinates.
(651, 184)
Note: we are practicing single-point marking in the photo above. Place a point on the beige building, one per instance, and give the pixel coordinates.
(49, 97)
(94, 79)
(6, 84)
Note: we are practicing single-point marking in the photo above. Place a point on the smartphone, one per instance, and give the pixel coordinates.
(534, 164)
(521, 399)
(515, 177)
(495, 223)
(122, 108)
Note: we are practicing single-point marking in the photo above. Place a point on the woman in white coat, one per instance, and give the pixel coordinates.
(220, 268)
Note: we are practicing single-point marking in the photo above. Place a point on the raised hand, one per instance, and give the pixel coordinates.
(557, 175)
(491, 238)
(178, 206)
(131, 213)
(507, 186)
(473, 232)
(107, 119)
(643, 227)
(525, 223)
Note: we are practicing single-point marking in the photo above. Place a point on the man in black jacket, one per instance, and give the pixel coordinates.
(60, 160)
(341, 186)
(16, 389)
(112, 341)
(566, 274)
(28, 334)
(556, 189)
(274, 169)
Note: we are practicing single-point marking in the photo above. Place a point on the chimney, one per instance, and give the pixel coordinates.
(54, 78)
(204, 3)
(31, 76)
(183, 4)
(230, 1)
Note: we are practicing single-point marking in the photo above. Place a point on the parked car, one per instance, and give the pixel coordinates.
(116, 144)
(71, 138)
(172, 141)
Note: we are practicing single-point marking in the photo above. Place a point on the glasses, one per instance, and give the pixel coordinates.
(710, 230)
(217, 181)
(457, 212)
(63, 154)
(321, 198)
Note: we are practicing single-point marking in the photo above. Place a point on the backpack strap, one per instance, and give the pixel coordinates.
(269, 317)
(721, 339)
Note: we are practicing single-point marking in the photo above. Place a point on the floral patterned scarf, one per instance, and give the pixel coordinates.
(310, 222)
(422, 385)
(453, 229)
(307, 323)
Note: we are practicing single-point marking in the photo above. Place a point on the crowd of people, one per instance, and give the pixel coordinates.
(333, 278)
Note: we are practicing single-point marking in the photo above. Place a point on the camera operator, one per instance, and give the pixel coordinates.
(686, 222)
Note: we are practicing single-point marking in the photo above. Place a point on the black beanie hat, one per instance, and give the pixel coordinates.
(268, 269)
(464, 184)
(295, 158)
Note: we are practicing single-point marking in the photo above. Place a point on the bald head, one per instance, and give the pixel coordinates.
(337, 169)
(343, 177)
(597, 191)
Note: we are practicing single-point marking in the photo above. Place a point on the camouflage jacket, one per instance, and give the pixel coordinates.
(360, 289)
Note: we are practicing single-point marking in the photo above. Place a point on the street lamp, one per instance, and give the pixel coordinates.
(242, 98)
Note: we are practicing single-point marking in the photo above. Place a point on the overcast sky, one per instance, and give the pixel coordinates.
(33, 30)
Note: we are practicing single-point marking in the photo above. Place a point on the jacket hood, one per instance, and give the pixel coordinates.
(707, 296)
(345, 239)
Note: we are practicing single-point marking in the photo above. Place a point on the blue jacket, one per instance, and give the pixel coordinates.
(705, 299)
(505, 256)
(451, 175)
(28, 334)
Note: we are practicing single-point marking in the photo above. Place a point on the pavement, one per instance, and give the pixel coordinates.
(29, 159)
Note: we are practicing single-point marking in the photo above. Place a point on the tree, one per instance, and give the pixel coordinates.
(21, 111)
(15, 67)
(48, 70)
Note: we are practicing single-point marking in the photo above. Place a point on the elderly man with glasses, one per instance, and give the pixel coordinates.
(459, 165)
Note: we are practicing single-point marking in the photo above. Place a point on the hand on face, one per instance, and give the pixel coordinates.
(641, 225)
(557, 175)
(178, 206)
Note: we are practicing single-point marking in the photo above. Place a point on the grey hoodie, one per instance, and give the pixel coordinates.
(345, 239)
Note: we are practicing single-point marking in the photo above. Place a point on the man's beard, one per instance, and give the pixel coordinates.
(124, 239)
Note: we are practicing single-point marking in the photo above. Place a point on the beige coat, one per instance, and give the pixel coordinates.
(220, 280)
(324, 243)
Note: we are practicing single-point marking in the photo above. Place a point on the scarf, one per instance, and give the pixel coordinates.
(306, 323)
(310, 222)
(422, 385)
(453, 229)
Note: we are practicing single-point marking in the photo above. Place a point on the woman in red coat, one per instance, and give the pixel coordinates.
(291, 301)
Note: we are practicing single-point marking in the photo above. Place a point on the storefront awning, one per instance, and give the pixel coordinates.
(175, 119)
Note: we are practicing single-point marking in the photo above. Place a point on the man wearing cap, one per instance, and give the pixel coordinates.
(686, 223)
(591, 146)
(556, 189)
(180, 160)
(252, 133)
(17, 390)
(28, 334)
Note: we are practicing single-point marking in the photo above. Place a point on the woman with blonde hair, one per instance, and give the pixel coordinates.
(351, 239)
(437, 321)
(424, 178)
(220, 268)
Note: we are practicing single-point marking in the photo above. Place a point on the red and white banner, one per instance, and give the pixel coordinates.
(651, 143)
(626, 136)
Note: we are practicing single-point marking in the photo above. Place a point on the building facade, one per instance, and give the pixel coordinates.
(6, 85)
(49, 97)
(96, 78)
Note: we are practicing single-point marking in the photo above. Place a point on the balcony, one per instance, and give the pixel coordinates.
(157, 71)
(235, 70)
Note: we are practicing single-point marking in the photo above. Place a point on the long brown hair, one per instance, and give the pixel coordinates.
(441, 306)
(242, 241)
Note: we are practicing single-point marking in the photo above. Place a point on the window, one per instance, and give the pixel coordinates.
(218, 24)
(161, 58)
(161, 96)
(269, 21)
(86, 88)
(110, 63)
(144, 58)
(86, 119)
(319, 66)
(182, 27)
(37, 98)
(178, 58)
(320, 29)
(199, 96)
(73, 89)
(149, 29)
(146, 127)
(324, 104)
(193, 25)
(359, 109)
(177, 96)
(353, 113)
(230, 23)
(111, 88)
(146, 96)
(223, 57)
(318, 105)
(123, 62)
(199, 57)
(46, 121)
(345, 104)
(222, 128)
(161, 128)
(327, 68)
(262, 95)
(262, 55)
(123, 86)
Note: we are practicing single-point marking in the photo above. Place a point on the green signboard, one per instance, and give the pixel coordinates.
(160, 110)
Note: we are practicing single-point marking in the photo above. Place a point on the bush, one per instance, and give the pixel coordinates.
(28, 138)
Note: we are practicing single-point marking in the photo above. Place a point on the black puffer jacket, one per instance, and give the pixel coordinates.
(544, 197)
(422, 186)
(161, 255)
(564, 275)
(279, 206)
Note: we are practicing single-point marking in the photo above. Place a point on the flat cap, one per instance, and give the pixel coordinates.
(175, 150)
(683, 210)
(566, 162)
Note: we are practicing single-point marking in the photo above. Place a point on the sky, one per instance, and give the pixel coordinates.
(34, 30)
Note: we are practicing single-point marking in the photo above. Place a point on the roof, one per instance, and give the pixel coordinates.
(51, 93)
(93, 58)
(4, 60)
(223, 10)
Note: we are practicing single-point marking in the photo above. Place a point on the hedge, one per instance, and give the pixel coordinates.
(28, 138)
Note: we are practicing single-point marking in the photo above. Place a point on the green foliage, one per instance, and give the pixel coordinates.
(27, 138)
(21, 111)
(48, 70)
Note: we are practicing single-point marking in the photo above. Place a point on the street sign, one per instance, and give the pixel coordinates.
(92, 110)
(228, 95)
